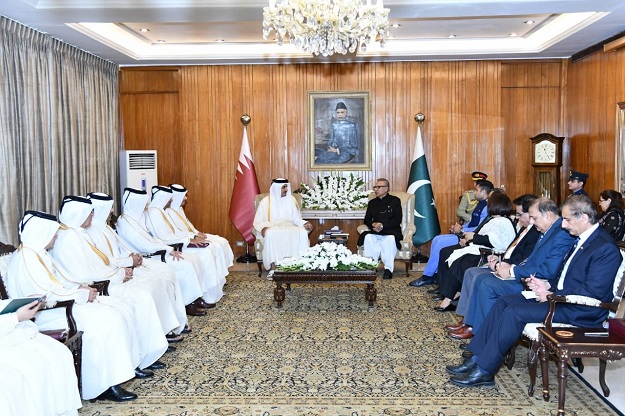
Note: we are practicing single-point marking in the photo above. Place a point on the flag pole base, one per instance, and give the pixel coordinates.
(247, 257)
(418, 257)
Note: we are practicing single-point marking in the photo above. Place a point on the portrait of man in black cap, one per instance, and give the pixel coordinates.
(344, 143)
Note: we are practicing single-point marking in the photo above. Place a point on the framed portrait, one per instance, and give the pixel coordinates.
(339, 132)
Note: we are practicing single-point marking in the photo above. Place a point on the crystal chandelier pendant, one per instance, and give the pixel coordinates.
(326, 27)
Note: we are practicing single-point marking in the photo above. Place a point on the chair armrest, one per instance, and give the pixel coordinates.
(575, 300)
(102, 287)
(71, 322)
(409, 232)
(160, 253)
(362, 228)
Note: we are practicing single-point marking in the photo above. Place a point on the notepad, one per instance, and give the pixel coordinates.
(15, 304)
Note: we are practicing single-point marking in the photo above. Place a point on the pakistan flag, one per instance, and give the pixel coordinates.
(425, 215)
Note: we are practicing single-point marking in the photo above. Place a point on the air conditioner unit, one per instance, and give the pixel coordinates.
(137, 169)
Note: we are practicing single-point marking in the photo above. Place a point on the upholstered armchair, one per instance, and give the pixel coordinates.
(408, 228)
(258, 244)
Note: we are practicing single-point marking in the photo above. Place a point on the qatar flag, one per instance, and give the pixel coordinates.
(245, 189)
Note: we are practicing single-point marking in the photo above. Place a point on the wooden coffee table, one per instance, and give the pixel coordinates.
(366, 277)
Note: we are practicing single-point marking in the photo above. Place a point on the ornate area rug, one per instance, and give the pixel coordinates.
(325, 353)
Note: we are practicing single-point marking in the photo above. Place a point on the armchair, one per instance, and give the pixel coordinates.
(408, 228)
(258, 244)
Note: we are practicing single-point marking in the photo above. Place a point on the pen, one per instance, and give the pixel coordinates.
(596, 334)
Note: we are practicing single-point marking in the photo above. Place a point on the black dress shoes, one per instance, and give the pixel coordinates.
(422, 281)
(170, 348)
(199, 303)
(448, 308)
(467, 365)
(186, 330)
(387, 274)
(117, 394)
(143, 373)
(438, 297)
(194, 311)
(156, 365)
(435, 291)
(474, 378)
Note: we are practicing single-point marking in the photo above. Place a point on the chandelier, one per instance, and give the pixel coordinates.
(326, 27)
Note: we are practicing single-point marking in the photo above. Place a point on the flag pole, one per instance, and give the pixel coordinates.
(247, 257)
(418, 257)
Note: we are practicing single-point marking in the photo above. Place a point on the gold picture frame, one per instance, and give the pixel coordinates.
(339, 130)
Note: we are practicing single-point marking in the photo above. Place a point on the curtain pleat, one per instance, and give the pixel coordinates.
(59, 124)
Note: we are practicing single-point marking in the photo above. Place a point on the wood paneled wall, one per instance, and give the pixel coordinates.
(595, 85)
(479, 116)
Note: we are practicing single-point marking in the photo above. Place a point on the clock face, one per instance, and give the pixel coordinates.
(545, 152)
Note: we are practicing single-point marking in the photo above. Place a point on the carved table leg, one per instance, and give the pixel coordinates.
(604, 386)
(278, 294)
(543, 354)
(562, 375)
(371, 294)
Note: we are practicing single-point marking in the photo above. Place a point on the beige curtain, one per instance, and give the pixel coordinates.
(58, 124)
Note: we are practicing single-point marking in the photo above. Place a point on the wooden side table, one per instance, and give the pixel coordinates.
(323, 238)
(611, 347)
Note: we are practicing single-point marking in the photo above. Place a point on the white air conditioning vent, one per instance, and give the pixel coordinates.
(138, 169)
(142, 160)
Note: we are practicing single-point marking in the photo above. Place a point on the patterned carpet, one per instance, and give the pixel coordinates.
(325, 353)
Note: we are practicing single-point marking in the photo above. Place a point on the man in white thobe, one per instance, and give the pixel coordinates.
(188, 268)
(279, 222)
(179, 217)
(151, 274)
(160, 226)
(76, 252)
(38, 376)
(110, 346)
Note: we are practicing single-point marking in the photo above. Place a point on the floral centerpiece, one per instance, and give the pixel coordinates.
(326, 256)
(335, 192)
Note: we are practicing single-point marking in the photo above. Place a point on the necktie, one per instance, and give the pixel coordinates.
(512, 246)
(565, 264)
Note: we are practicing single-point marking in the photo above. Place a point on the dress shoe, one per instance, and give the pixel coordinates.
(435, 291)
(145, 373)
(438, 297)
(117, 394)
(422, 281)
(186, 330)
(170, 348)
(387, 274)
(453, 327)
(467, 365)
(474, 378)
(462, 333)
(463, 347)
(199, 303)
(448, 308)
(156, 365)
(194, 311)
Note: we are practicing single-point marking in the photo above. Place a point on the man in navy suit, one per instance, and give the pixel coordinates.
(544, 261)
(589, 270)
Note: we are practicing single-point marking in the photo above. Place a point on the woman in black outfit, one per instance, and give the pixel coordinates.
(613, 219)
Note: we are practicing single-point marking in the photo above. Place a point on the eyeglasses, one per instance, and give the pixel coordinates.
(518, 214)
(381, 186)
(602, 200)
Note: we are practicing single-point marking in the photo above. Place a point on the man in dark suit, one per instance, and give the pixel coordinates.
(520, 249)
(577, 181)
(544, 261)
(589, 270)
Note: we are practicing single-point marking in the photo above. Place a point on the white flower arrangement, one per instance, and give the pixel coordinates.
(333, 192)
(327, 256)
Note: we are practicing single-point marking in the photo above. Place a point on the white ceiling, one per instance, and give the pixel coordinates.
(190, 28)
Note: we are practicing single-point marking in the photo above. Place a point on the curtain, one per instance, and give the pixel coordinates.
(59, 124)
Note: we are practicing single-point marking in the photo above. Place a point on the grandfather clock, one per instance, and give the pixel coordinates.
(546, 163)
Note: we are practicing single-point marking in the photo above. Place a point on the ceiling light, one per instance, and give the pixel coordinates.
(161, 41)
(220, 40)
(513, 34)
(529, 22)
(327, 27)
(144, 30)
(451, 36)
(395, 25)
